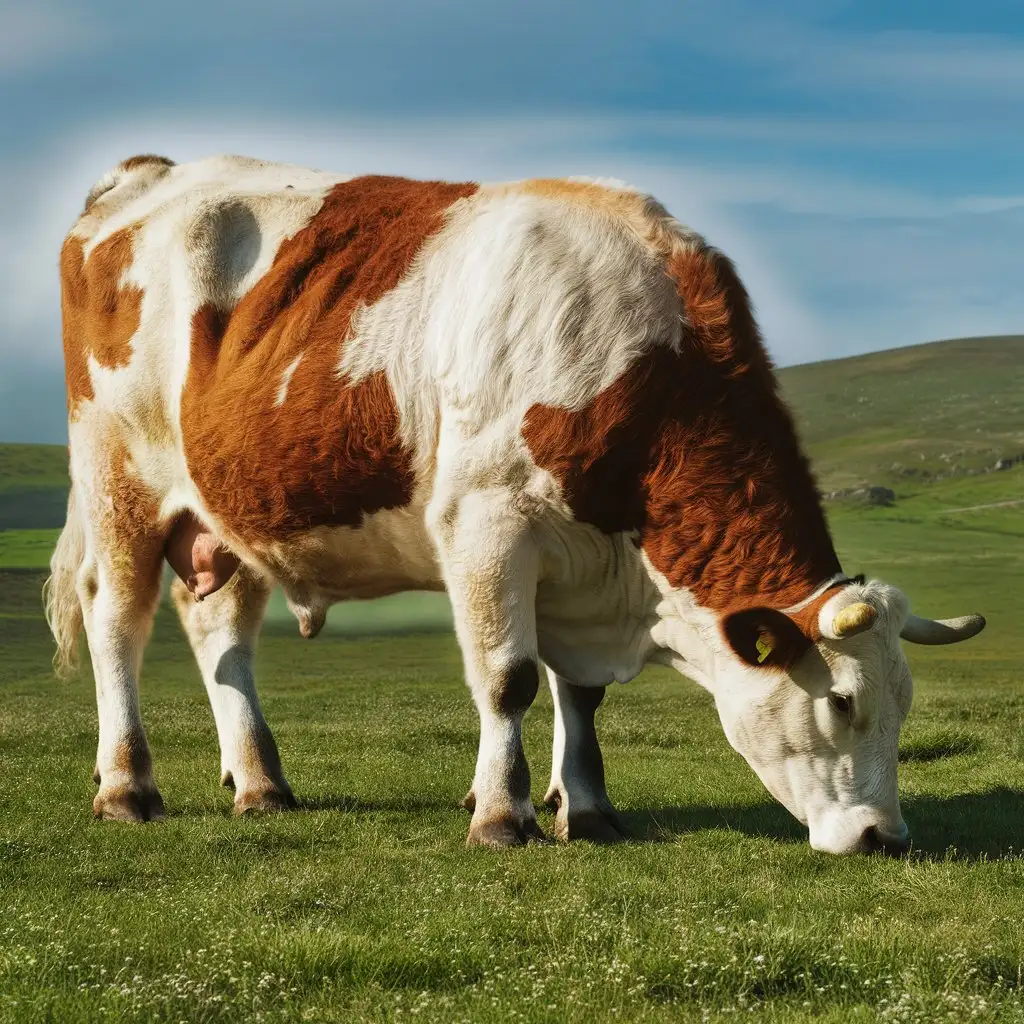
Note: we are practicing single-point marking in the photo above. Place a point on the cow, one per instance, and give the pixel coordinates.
(547, 398)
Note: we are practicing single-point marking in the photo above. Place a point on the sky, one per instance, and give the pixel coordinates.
(861, 162)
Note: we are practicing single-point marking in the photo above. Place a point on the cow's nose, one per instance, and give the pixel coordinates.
(874, 840)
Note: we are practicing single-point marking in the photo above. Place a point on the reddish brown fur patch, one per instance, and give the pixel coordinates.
(331, 452)
(696, 451)
(131, 530)
(100, 316)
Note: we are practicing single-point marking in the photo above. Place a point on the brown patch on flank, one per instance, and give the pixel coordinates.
(100, 316)
(696, 452)
(135, 516)
(331, 453)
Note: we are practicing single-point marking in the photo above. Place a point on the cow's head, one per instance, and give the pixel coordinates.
(814, 700)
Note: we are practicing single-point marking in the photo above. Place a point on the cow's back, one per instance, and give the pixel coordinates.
(296, 354)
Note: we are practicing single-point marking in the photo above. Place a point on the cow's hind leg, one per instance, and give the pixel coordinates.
(118, 586)
(490, 566)
(577, 791)
(223, 630)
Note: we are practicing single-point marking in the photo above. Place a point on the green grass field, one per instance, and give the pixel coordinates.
(365, 905)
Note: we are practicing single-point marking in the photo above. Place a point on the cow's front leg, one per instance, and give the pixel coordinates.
(490, 566)
(577, 791)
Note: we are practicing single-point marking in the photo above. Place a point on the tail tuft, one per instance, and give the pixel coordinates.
(60, 592)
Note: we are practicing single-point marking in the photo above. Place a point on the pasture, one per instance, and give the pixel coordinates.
(365, 905)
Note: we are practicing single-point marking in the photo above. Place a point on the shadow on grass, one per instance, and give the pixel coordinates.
(970, 826)
(663, 824)
(967, 827)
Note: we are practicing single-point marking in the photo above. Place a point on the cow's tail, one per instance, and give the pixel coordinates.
(60, 592)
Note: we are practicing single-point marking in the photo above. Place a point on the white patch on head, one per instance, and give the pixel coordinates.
(836, 776)
(286, 376)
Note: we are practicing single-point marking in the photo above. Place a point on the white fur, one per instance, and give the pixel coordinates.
(286, 376)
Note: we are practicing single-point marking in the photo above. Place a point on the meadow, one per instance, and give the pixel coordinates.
(364, 904)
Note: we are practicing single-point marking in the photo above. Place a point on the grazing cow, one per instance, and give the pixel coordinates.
(548, 398)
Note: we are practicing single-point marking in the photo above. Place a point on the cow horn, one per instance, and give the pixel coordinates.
(853, 619)
(942, 631)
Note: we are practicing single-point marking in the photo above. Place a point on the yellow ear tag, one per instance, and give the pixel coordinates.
(764, 648)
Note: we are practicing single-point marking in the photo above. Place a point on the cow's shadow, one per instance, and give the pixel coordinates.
(665, 824)
(969, 826)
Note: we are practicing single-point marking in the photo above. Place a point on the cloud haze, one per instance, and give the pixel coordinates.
(860, 171)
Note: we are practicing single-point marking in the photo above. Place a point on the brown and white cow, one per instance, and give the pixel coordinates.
(548, 398)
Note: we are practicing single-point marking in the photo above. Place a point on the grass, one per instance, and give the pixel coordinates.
(908, 414)
(365, 905)
(26, 549)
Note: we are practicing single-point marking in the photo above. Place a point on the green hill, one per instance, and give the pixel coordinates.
(33, 486)
(903, 417)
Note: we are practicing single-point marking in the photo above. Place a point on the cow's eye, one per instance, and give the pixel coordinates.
(841, 705)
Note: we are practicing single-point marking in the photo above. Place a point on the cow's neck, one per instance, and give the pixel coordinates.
(732, 513)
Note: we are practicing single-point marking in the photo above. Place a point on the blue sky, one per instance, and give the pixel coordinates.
(861, 162)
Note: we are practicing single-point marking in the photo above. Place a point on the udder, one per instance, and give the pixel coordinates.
(201, 561)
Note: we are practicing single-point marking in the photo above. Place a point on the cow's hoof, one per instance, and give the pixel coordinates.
(267, 800)
(500, 832)
(128, 803)
(597, 824)
(469, 801)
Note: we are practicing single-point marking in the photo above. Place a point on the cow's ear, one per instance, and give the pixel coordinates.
(765, 638)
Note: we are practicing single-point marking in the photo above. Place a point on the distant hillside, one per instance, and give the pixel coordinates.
(901, 418)
(904, 416)
(33, 486)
